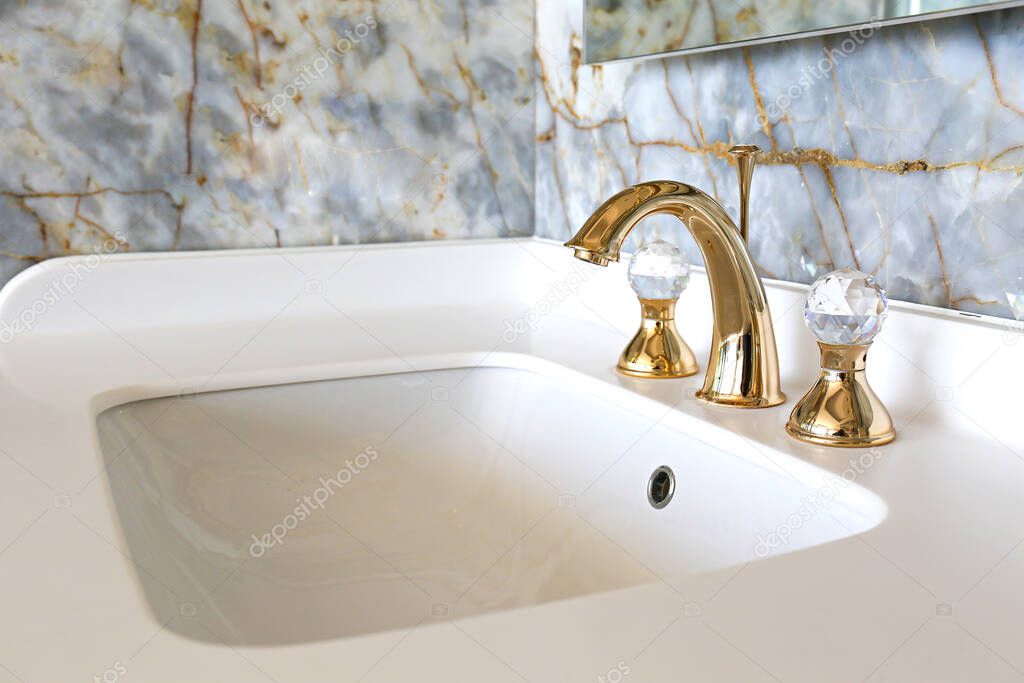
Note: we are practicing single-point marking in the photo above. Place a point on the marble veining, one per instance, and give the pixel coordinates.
(147, 125)
(897, 151)
(144, 125)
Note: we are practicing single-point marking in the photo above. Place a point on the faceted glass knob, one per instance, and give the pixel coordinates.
(846, 307)
(1015, 297)
(658, 271)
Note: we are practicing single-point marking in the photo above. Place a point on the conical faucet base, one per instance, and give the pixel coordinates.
(842, 409)
(657, 351)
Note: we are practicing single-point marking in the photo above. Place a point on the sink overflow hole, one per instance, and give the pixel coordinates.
(661, 487)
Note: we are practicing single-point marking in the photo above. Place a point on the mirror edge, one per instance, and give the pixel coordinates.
(588, 59)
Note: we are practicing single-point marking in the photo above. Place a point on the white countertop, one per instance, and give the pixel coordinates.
(932, 593)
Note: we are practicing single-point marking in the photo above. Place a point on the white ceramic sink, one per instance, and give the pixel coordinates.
(331, 509)
(161, 425)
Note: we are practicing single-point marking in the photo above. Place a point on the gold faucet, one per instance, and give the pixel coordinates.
(744, 369)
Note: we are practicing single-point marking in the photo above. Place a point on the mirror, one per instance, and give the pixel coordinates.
(622, 29)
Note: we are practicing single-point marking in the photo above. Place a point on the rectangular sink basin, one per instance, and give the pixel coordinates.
(306, 512)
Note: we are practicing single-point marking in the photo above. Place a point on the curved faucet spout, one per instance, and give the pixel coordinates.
(743, 369)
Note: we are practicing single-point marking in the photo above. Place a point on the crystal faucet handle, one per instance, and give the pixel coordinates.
(845, 310)
(846, 307)
(658, 271)
(1015, 296)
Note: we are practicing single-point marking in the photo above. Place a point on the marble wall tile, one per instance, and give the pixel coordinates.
(143, 125)
(902, 156)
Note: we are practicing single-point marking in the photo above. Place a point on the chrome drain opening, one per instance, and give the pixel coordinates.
(661, 487)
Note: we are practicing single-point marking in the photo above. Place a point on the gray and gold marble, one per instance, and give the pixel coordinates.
(142, 125)
(631, 28)
(148, 125)
(899, 151)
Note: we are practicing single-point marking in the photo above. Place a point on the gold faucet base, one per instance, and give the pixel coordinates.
(657, 351)
(737, 401)
(841, 409)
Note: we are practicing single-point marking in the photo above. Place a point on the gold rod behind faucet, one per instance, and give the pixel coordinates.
(746, 159)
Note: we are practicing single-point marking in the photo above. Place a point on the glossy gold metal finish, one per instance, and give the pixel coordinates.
(746, 158)
(657, 351)
(743, 370)
(841, 409)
